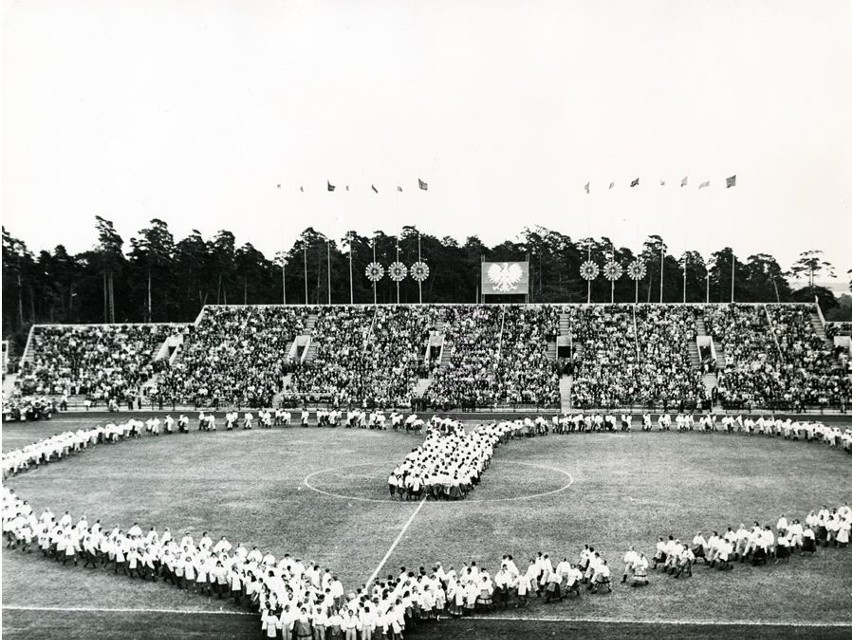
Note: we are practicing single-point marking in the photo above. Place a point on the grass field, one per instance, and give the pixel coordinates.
(550, 494)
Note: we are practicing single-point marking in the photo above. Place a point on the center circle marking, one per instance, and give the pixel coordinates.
(307, 482)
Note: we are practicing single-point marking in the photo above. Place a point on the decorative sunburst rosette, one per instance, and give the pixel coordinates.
(375, 272)
(612, 270)
(419, 271)
(397, 271)
(589, 270)
(636, 270)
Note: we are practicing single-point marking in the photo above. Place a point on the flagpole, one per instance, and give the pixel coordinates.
(284, 281)
(684, 278)
(612, 282)
(662, 268)
(419, 282)
(708, 284)
(588, 282)
(328, 267)
(733, 270)
(397, 259)
(351, 290)
(305, 258)
(374, 260)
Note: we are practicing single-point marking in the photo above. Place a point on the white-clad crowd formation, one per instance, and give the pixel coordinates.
(300, 599)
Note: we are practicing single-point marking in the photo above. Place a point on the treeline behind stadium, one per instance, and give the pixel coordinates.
(156, 278)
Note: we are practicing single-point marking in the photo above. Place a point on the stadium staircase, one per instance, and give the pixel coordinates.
(551, 348)
(565, 384)
(710, 381)
(446, 354)
(564, 324)
(27, 356)
(700, 327)
(694, 358)
(311, 351)
(819, 329)
(278, 397)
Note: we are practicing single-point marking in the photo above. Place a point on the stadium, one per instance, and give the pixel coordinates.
(397, 322)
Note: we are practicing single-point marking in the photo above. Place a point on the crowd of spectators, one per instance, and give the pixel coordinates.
(101, 362)
(774, 357)
(525, 373)
(833, 329)
(469, 379)
(811, 373)
(634, 356)
(365, 356)
(750, 374)
(493, 356)
(235, 356)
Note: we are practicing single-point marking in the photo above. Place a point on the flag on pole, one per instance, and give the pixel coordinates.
(704, 184)
(731, 182)
(331, 187)
(374, 188)
(662, 183)
(586, 187)
(684, 181)
(278, 186)
(398, 188)
(635, 183)
(347, 187)
(611, 185)
(422, 184)
(302, 188)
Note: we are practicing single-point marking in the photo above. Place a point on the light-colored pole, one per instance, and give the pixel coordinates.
(419, 282)
(351, 290)
(305, 259)
(733, 270)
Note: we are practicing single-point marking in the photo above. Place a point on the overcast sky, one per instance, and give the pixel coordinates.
(193, 112)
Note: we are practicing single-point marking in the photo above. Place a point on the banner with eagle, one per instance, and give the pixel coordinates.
(505, 278)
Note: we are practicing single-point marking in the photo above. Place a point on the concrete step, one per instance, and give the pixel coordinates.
(565, 384)
(311, 322)
(694, 358)
(700, 327)
(551, 350)
(446, 354)
(312, 352)
(710, 381)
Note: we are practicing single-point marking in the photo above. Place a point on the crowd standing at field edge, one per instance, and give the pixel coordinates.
(300, 600)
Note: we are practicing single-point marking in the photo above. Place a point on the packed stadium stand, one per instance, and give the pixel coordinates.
(98, 361)
(674, 357)
(232, 356)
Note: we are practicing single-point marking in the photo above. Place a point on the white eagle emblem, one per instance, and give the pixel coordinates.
(505, 276)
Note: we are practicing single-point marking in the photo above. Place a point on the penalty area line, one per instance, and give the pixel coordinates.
(10, 607)
(396, 542)
(663, 621)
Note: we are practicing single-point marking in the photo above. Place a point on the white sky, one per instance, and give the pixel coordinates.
(193, 112)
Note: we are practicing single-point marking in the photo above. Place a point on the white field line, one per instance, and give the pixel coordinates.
(663, 621)
(396, 542)
(9, 607)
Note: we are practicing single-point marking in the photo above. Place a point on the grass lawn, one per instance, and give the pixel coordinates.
(608, 490)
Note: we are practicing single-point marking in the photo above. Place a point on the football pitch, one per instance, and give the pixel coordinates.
(321, 495)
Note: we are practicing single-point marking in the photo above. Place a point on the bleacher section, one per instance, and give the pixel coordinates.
(233, 356)
(457, 356)
(96, 361)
